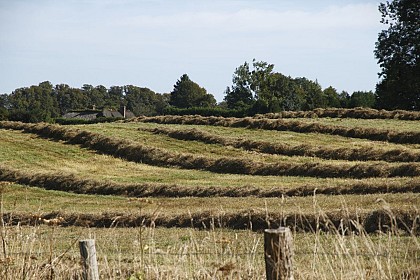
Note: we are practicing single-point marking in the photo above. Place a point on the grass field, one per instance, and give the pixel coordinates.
(183, 201)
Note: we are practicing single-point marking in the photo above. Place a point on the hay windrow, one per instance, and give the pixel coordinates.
(289, 125)
(356, 113)
(136, 152)
(340, 220)
(349, 154)
(72, 183)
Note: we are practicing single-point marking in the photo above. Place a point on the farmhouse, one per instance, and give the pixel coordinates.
(92, 114)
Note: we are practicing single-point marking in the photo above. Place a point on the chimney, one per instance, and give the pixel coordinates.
(124, 109)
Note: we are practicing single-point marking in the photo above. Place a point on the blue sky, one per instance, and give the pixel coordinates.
(151, 43)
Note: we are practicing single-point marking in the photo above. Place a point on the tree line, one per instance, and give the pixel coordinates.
(255, 88)
(45, 102)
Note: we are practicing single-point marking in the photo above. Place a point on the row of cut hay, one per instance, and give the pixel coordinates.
(340, 220)
(71, 183)
(356, 113)
(406, 137)
(350, 154)
(137, 152)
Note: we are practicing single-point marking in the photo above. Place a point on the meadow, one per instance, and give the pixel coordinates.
(187, 197)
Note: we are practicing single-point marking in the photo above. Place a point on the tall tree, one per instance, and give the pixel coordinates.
(71, 98)
(397, 51)
(257, 86)
(188, 94)
(95, 96)
(143, 101)
(282, 94)
(362, 99)
(344, 99)
(115, 97)
(34, 104)
(240, 95)
(4, 105)
(331, 97)
(312, 94)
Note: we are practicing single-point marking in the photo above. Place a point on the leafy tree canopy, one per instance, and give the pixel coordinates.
(258, 88)
(362, 99)
(397, 51)
(188, 94)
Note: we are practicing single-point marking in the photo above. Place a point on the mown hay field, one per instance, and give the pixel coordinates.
(193, 195)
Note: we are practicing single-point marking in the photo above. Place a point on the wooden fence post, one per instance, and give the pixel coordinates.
(90, 265)
(278, 251)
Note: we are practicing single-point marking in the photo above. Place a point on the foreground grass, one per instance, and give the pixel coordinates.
(156, 253)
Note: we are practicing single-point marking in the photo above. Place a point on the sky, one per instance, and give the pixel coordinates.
(152, 43)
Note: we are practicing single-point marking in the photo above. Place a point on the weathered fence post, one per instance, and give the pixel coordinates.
(278, 251)
(90, 265)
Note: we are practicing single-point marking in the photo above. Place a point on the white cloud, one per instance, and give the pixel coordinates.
(251, 20)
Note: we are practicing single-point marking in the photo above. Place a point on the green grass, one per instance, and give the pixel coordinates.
(130, 131)
(174, 253)
(30, 153)
(386, 124)
(20, 199)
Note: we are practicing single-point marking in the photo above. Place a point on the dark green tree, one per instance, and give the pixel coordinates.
(34, 104)
(331, 97)
(188, 94)
(344, 99)
(257, 87)
(69, 98)
(240, 96)
(282, 94)
(94, 96)
(397, 51)
(115, 97)
(4, 105)
(143, 101)
(365, 99)
(313, 96)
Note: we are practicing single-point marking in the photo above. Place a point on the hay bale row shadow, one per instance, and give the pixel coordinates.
(349, 154)
(136, 152)
(406, 137)
(74, 184)
(355, 113)
(342, 222)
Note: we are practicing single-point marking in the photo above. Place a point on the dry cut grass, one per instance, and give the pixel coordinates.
(354, 113)
(345, 153)
(325, 252)
(395, 135)
(26, 206)
(137, 152)
(54, 164)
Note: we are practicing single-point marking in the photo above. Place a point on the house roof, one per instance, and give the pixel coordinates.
(85, 115)
(93, 114)
(107, 113)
